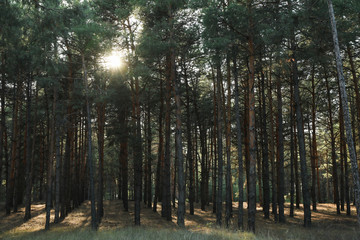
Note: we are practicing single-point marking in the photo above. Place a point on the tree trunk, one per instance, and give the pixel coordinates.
(280, 153)
(101, 132)
(342, 155)
(301, 141)
(124, 173)
(149, 160)
(333, 150)
(159, 171)
(50, 162)
(349, 138)
(239, 145)
(292, 151)
(265, 153)
(189, 155)
(58, 166)
(219, 141)
(314, 157)
(228, 211)
(94, 224)
(166, 194)
(179, 147)
(251, 117)
(3, 124)
(214, 144)
(29, 130)
(356, 86)
(11, 177)
(138, 155)
(272, 150)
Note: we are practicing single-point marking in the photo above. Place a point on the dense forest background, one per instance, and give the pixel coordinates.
(213, 101)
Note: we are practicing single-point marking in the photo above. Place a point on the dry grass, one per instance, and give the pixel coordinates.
(118, 224)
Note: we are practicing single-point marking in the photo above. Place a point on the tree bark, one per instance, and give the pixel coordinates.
(29, 130)
(179, 152)
(100, 135)
(292, 151)
(166, 195)
(301, 142)
(239, 146)
(228, 211)
(333, 150)
(159, 171)
(272, 150)
(349, 138)
(265, 153)
(149, 154)
(252, 141)
(280, 153)
(94, 224)
(219, 141)
(50, 162)
(189, 154)
(3, 124)
(314, 157)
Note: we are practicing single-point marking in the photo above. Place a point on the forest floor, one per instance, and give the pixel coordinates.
(326, 224)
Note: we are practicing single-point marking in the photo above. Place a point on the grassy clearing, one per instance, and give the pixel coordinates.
(118, 224)
(131, 233)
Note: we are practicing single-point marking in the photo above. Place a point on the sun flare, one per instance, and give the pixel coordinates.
(115, 60)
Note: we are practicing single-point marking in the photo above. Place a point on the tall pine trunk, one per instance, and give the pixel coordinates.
(301, 142)
(94, 224)
(239, 145)
(219, 141)
(28, 172)
(280, 153)
(100, 134)
(349, 138)
(333, 149)
(228, 211)
(50, 161)
(265, 153)
(251, 118)
(179, 147)
(166, 194)
(314, 143)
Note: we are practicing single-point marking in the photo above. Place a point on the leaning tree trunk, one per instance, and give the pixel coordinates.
(349, 137)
